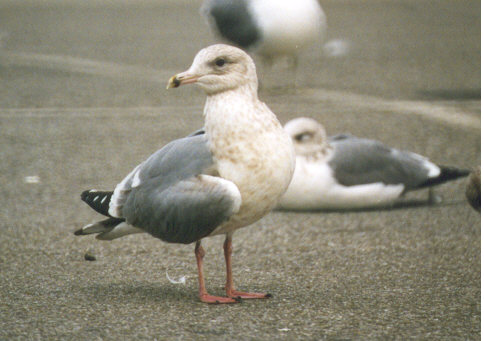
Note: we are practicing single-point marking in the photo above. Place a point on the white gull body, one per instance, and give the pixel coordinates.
(210, 183)
(269, 27)
(314, 187)
(351, 173)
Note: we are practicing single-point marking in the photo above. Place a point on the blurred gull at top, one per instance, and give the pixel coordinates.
(270, 28)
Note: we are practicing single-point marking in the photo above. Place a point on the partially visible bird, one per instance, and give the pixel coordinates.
(270, 28)
(473, 189)
(347, 172)
(207, 183)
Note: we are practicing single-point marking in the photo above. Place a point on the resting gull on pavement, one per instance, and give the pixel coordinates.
(206, 184)
(347, 172)
(270, 28)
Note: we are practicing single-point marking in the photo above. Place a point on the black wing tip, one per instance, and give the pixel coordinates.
(447, 173)
(90, 192)
(85, 194)
(454, 172)
(98, 200)
(78, 232)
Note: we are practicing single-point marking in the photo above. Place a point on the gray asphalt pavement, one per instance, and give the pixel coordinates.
(83, 100)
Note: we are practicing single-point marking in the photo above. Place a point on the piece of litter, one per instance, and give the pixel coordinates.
(89, 256)
(180, 280)
(32, 179)
(284, 329)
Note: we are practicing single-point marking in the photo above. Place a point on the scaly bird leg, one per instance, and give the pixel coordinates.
(202, 291)
(229, 286)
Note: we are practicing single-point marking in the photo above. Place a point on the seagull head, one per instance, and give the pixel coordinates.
(219, 68)
(308, 136)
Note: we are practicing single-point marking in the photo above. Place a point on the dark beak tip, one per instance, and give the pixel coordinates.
(173, 82)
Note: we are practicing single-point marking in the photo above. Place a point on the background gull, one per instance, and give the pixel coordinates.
(271, 28)
(347, 172)
(473, 189)
(206, 184)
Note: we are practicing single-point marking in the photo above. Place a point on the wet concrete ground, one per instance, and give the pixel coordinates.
(82, 101)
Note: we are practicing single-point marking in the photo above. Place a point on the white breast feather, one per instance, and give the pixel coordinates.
(251, 150)
(288, 24)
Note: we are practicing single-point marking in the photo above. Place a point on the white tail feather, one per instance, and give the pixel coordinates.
(94, 228)
(118, 231)
(121, 193)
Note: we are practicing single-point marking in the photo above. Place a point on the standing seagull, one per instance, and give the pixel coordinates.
(206, 184)
(349, 172)
(271, 28)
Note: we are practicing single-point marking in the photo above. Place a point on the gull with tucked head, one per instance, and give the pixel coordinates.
(215, 181)
(346, 172)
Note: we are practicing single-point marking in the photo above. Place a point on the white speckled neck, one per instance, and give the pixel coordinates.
(235, 112)
(251, 149)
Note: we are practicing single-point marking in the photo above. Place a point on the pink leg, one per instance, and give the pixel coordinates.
(229, 285)
(202, 292)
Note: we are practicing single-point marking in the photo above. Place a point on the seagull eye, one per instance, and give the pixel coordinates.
(303, 137)
(220, 62)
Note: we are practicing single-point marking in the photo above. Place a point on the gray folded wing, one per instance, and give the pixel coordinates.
(173, 196)
(362, 161)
